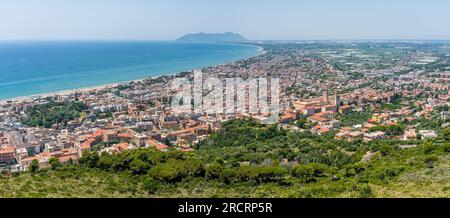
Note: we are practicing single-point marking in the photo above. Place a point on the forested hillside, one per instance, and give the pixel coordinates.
(247, 159)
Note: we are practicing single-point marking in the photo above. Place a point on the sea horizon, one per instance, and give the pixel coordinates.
(31, 68)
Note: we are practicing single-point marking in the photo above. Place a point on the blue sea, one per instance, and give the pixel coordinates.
(29, 68)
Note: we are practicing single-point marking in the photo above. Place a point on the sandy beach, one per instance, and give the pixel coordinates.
(110, 85)
(107, 86)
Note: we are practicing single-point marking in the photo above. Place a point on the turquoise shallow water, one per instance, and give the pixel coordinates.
(28, 68)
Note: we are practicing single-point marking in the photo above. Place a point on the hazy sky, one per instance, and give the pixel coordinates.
(255, 19)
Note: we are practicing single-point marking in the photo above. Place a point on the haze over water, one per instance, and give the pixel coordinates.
(28, 68)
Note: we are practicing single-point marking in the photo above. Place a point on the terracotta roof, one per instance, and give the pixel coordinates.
(323, 130)
(189, 130)
(67, 158)
(98, 133)
(157, 144)
(122, 146)
(288, 116)
(7, 149)
(124, 135)
(318, 118)
(87, 144)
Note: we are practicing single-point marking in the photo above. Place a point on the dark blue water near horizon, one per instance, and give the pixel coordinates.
(29, 68)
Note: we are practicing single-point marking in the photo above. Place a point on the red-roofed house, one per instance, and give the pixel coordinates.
(157, 145)
(7, 154)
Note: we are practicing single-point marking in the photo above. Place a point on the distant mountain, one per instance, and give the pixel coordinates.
(212, 37)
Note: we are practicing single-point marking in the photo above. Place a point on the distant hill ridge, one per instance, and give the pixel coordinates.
(212, 37)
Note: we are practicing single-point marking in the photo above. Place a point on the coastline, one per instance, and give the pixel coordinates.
(260, 51)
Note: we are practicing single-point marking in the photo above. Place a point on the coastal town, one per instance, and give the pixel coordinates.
(353, 91)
